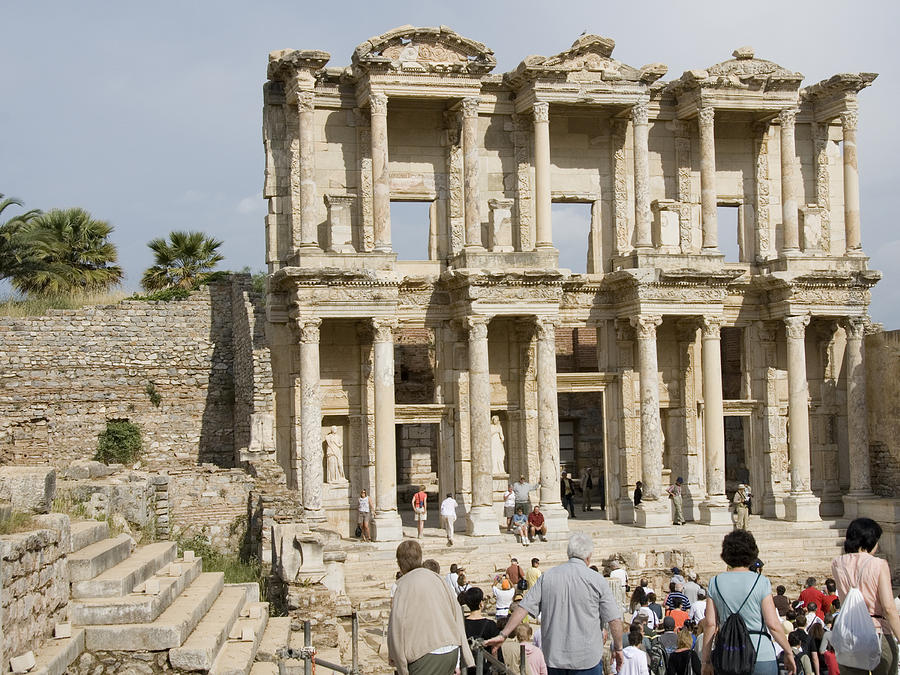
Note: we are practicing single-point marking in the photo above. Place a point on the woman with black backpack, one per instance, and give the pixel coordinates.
(741, 621)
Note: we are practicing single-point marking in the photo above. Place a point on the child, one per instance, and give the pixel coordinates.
(635, 660)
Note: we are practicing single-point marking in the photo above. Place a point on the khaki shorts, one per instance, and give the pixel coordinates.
(420, 514)
(363, 518)
(509, 511)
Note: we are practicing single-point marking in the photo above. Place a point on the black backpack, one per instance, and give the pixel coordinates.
(657, 657)
(733, 652)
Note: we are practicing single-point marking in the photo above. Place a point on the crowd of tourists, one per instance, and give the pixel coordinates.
(568, 620)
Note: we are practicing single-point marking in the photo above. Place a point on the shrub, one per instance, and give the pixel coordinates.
(120, 443)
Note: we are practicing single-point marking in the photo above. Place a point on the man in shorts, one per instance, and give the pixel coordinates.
(420, 505)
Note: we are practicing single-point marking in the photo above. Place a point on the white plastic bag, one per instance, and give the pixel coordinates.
(853, 637)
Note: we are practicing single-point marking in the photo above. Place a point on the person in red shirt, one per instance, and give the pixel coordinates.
(813, 594)
(830, 597)
(536, 524)
(680, 616)
(420, 506)
(514, 572)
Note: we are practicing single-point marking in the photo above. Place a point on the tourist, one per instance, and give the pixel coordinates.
(684, 659)
(698, 609)
(859, 567)
(514, 572)
(782, 603)
(812, 594)
(504, 592)
(691, 588)
(448, 517)
(634, 659)
(365, 509)
(668, 638)
(452, 578)
(571, 623)
(533, 655)
(618, 572)
(817, 644)
(812, 615)
(462, 584)
(645, 584)
(741, 503)
(796, 639)
(509, 506)
(477, 626)
(522, 490)
(567, 492)
(674, 492)
(426, 633)
(638, 493)
(680, 614)
(420, 509)
(677, 577)
(750, 594)
(433, 565)
(533, 573)
(587, 487)
(644, 611)
(520, 526)
(830, 595)
(638, 598)
(537, 526)
(676, 599)
(654, 606)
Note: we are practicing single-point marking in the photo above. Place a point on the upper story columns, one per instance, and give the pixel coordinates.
(381, 177)
(708, 192)
(789, 187)
(849, 119)
(471, 176)
(641, 134)
(543, 226)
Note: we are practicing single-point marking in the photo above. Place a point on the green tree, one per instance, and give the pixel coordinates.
(184, 261)
(69, 252)
(12, 253)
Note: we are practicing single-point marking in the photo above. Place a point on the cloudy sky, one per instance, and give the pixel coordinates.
(149, 114)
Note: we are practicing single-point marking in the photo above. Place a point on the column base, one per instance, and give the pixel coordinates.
(316, 516)
(657, 513)
(773, 506)
(388, 526)
(626, 511)
(556, 518)
(715, 512)
(482, 522)
(802, 508)
(853, 503)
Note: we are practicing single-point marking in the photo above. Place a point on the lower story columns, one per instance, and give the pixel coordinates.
(548, 428)
(388, 526)
(310, 420)
(714, 510)
(482, 517)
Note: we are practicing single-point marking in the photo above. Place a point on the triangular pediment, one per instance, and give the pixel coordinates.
(428, 49)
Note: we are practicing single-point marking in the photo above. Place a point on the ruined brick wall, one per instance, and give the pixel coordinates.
(883, 402)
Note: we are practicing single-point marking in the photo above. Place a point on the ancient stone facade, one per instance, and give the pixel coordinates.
(745, 367)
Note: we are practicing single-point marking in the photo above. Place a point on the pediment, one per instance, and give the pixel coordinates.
(744, 71)
(433, 49)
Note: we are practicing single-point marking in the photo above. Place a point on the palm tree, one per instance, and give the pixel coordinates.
(12, 253)
(69, 253)
(183, 261)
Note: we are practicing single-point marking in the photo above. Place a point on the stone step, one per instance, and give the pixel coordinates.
(170, 629)
(122, 578)
(276, 637)
(202, 645)
(99, 557)
(55, 656)
(136, 607)
(236, 656)
(87, 532)
(264, 668)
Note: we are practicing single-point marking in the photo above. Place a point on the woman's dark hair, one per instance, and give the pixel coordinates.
(739, 549)
(637, 598)
(471, 598)
(635, 637)
(862, 535)
(817, 631)
(651, 598)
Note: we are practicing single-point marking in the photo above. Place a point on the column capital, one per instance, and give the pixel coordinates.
(645, 325)
(796, 326)
(541, 111)
(640, 111)
(383, 329)
(477, 327)
(711, 327)
(545, 327)
(306, 101)
(706, 115)
(787, 118)
(378, 103)
(855, 326)
(849, 120)
(308, 328)
(470, 106)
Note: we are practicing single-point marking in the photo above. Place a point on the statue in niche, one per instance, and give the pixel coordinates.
(498, 450)
(334, 456)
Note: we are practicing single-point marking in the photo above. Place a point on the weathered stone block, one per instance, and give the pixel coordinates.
(28, 488)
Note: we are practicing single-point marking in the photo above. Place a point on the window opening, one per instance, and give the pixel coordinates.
(729, 232)
(571, 234)
(410, 229)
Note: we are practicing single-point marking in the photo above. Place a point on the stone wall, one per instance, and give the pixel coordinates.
(883, 402)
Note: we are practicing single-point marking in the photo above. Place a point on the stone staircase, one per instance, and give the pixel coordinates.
(127, 599)
(791, 552)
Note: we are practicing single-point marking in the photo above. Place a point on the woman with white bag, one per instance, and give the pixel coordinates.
(865, 633)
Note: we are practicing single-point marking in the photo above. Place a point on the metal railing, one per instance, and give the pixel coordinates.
(484, 657)
(307, 653)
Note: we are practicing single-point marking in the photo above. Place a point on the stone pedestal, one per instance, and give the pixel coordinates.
(715, 511)
(657, 513)
(482, 522)
(500, 225)
(387, 526)
(856, 505)
(801, 508)
(340, 234)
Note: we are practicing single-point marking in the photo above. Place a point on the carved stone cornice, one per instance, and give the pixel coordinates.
(541, 111)
(796, 326)
(383, 329)
(645, 325)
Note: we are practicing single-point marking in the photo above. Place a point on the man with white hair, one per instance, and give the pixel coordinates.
(571, 622)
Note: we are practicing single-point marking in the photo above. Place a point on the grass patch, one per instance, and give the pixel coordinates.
(38, 306)
(236, 570)
(17, 522)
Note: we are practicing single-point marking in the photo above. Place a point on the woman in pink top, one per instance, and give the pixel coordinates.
(874, 575)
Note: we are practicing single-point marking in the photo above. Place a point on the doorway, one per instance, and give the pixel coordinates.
(737, 469)
(581, 443)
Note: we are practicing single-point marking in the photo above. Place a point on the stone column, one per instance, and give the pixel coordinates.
(471, 173)
(483, 520)
(548, 427)
(388, 526)
(851, 183)
(310, 419)
(381, 177)
(544, 234)
(800, 504)
(709, 196)
(640, 138)
(857, 416)
(653, 511)
(713, 511)
(306, 109)
(789, 204)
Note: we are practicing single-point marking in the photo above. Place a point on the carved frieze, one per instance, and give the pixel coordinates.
(761, 152)
(618, 130)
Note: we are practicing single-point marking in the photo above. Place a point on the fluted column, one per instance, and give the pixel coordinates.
(653, 511)
(544, 228)
(714, 510)
(857, 416)
(548, 426)
(709, 196)
(482, 519)
(381, 177)
(851, 183)
(789, 204)
(640, 138)
(310, 419)
(388, 526)
(471, 172)
(306, 108)
(800, 504)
